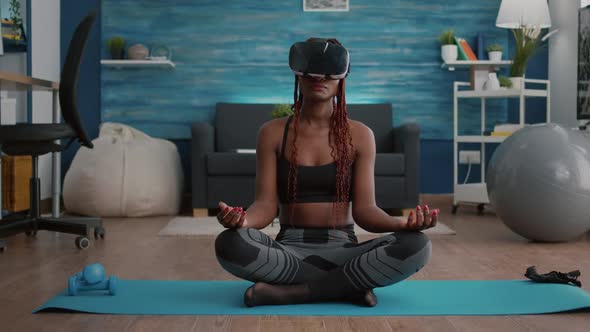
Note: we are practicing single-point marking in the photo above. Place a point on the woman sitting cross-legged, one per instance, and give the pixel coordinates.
(319, 165)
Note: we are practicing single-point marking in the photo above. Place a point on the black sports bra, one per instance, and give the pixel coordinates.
(314, 183)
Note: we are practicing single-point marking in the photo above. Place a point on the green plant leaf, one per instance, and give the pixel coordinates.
(527, 44)
(447, 37)
(505, 81)
(281, 110)
(494, 48)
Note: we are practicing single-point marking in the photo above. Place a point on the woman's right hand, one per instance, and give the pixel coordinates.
(231, 217)
(425, 218)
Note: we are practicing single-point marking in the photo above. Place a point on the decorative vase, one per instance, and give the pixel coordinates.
(160, 52)
(449, 52)
(492, 83)
(138, 52)
(517, 82)
(495, 56)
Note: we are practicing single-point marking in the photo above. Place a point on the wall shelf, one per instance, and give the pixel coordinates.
(501, 93)
(475, 63)
(479, 139)
(138, 63)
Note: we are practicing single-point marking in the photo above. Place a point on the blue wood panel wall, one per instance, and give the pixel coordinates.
(237, 51)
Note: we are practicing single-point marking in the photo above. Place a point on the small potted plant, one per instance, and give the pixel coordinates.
(494, 52)
(281, 110)
(505, 82)
(448, 49)
(116, 46)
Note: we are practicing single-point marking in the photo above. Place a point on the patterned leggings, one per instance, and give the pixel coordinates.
(328, 260)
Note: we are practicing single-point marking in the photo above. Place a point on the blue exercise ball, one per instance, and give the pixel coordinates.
(538, 181)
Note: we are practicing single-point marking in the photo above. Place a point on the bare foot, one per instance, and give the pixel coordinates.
(369, 298)
(262, 293)
(364, 298)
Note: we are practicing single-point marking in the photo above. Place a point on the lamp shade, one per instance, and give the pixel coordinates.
(514, 14)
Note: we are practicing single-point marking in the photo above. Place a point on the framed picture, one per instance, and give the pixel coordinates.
(325, 5)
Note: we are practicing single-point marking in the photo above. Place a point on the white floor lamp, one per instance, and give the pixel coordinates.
(1, 38)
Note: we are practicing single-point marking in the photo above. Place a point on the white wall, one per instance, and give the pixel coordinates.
(16, 63)
(45, 64)
(563, 61)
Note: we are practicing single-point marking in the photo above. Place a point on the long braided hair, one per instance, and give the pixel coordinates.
(342, 152)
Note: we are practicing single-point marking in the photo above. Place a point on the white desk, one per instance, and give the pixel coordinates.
(14, 81)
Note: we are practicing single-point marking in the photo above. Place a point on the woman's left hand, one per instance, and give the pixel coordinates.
(422, 218)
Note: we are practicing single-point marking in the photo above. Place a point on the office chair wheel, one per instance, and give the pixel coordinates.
(454, 209)
(3, 246)
(99, 232)
(31, 233)
(82, 242)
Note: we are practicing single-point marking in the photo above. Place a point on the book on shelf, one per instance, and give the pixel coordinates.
(506, 127)
(503, 129)
(464, 50)
(480, 42)
(461, 54)
(500, 133)
(497, 133)
(468, 51)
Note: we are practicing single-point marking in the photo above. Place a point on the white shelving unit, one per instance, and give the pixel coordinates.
(475, 64)
(477, 192)
(138, 63)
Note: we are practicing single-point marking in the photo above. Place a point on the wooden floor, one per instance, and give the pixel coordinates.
(32, 270)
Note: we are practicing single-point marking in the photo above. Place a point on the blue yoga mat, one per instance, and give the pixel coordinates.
(407, 298)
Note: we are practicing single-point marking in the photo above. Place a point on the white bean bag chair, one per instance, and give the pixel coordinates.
(126, 174)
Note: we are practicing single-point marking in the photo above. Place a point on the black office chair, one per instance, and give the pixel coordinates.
(38, 139)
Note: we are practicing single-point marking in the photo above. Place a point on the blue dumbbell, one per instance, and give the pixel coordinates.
(90, 279)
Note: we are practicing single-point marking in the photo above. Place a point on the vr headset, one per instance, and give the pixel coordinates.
(320, 59)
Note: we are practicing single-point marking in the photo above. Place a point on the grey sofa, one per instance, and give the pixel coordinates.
(221, 174)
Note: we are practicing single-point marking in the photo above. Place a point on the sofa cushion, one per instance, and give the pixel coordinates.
(237, 124)
(390, 164)
(231, 163)
(378, 117)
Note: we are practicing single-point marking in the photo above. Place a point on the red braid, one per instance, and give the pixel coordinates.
(292, 178)
(342, 152)
(344, 148)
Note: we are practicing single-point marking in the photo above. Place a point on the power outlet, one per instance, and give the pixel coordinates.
(468, 156)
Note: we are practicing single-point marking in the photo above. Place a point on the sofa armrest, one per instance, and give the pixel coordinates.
(202, 143)
(406, 140)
